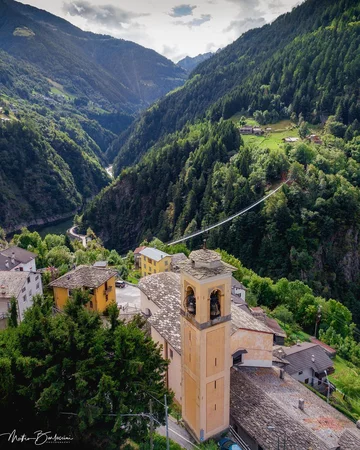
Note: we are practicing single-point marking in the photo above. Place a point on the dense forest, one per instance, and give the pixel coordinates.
(64, 96)
(307, 231)
(306, 61)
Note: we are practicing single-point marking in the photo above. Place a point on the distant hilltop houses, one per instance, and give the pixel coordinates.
(257, 131)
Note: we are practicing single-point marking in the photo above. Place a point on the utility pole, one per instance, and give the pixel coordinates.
(151, 425)
(166, 424)
(318, 318)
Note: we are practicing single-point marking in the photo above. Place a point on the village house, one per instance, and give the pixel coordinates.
(291, 140)
(307, 363)
(218, 354)
(246, 129)
(137, 256)
(22, 286)
(279, 333)
(153, 260)
(16, 258)
(99, 283)
(315, 139)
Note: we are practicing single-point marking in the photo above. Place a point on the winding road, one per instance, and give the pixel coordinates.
(79, 237)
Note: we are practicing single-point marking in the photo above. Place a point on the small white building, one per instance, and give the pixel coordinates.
(19, 285)
(16, 258)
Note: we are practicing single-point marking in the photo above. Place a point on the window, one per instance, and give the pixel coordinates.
(171, 354)
(28, 280)
(91, 304)
(30, 293)
(21, 269)
(190, 336)
(307, 381)
(215, 384)
(91, 291)
(24, 298)
(301, 372)
(154, 271)
(144, 265)
(23, 289)
(106, 298)
(37, 277)
(190, 357)
(215, 362)
(38, 286)
(166, 263)
(154, 263)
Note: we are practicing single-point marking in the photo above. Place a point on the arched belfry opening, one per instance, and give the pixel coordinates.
(215, 304)
(190, 301)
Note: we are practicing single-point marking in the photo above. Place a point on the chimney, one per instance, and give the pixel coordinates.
(298, 343)
(7, 264)
(13, 258)
(313, 358)
(281, 374)
(301, 404)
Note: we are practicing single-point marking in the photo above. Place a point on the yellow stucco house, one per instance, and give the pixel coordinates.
(99, 283)
(153, 261)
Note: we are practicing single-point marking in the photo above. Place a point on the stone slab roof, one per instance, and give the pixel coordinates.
(163, 289)
(300, 357)
(204, 255)
(245, 320)
(273, 324)
(260, 399)
(11, 283)
(21, 255)
(166, 322)
(201, 273)
(84, 276)
(176, 260)
(13, 256)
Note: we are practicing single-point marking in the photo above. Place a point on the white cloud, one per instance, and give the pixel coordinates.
(151, 23)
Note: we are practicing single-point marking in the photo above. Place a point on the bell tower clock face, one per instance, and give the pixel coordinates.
(205, 337)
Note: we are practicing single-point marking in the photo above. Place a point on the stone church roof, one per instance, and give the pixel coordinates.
(163, 289)
(267, 407)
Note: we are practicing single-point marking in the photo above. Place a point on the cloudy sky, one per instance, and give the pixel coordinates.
(170, 27)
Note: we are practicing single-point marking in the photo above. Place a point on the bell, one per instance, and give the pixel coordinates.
(214, 307)
(191, 304)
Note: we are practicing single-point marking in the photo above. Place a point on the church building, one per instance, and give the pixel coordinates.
(219, 353)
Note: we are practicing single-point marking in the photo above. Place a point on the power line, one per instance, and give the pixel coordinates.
(222, 222)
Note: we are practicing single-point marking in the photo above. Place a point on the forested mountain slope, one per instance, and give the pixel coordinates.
(74, 91)
(203, 172)
(104, 69)
(306, 61)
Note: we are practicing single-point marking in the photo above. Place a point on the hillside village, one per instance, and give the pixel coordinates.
(230, 368)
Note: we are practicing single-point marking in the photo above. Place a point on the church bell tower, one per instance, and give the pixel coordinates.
(205, 339)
